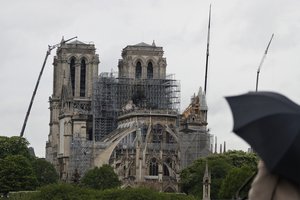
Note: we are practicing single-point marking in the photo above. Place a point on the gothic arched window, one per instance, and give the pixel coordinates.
(150, 70)
(82, 77)
(138, 70)
(169, 138)
(72, 74)
(153, 168)
(157, 133)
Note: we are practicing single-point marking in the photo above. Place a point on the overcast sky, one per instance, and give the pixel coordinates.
(240, 31)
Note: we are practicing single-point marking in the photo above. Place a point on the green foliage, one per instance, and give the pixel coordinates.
(233, 181)
(174, 196)
(71, 192)
(64, 192)
(13, 146)
(240, 159)
(24, 195)
(19, 170)
(219, 168)
(16, 173)
(192, 177)
(129, 194)
(220, 165)
(101, 178)
(45, 172)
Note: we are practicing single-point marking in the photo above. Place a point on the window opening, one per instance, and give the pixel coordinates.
(82, 78)
(72, 74)
(138, 70)
(150, 70)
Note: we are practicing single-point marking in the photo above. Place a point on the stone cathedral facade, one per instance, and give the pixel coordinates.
(129, 120)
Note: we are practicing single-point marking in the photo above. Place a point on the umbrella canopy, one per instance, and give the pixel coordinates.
(270, 123)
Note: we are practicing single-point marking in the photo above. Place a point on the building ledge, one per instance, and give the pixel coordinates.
(151, 177)
(148, 113)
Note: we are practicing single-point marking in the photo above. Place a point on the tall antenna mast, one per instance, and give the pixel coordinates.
(262, 61)
(207, 50)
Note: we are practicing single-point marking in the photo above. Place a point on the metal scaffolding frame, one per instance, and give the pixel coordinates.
(111, 94)
(194, 145)
(81, 156)
(104, 105)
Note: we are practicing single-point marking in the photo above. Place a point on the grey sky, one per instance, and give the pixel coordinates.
(240, 31)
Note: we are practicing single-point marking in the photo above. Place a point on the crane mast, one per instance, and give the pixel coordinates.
(50, 48)
(207, 50)
(262, 61)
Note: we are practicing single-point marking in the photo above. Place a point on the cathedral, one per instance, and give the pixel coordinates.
(128, 119)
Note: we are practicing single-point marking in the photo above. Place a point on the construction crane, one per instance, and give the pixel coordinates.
(262, 61)
(207, 50)
(50, 48)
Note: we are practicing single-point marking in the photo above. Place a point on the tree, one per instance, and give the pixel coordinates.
(101, 178)
(233, 181)
(219, 166)
(16, 173)
(68, 191)
(192, 177)
(45, 172)
(14, 146)
(240, 159)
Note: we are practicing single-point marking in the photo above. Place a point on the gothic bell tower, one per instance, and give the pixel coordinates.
(74, 68)
(142, 61)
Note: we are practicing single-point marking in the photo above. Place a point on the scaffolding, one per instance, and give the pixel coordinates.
(112, 94)
(194, 145)
(81, 156)
(104, 105)
(194, 136)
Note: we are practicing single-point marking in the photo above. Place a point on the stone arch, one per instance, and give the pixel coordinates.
(170, 189)
(104, 155)
(151, 59)
(127, 185)
(139, 59)
(83, 57)
(169, 130)
(77, 58)
(167, 166)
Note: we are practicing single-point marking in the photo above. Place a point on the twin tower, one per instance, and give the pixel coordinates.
(129, 120)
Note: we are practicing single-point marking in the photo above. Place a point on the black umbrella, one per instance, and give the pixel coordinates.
(270, 123)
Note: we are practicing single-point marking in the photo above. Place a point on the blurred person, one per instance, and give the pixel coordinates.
(268, 186)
